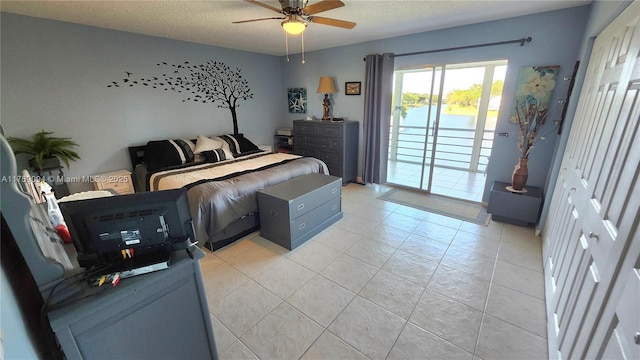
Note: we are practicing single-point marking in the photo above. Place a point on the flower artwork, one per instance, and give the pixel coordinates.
(297, 98)
(531, 106)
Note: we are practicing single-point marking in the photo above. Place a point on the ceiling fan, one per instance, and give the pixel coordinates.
(297, 14)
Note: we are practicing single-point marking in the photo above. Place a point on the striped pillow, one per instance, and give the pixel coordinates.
(164, 153)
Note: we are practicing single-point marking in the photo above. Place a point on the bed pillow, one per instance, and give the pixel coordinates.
(217, 155)
(238, 144)
(204, 143)
(163, 153)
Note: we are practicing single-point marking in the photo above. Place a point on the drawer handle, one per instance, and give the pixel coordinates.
(273, 213)
(334, 207)
(300, 207)
(334, 190)
(301, 226)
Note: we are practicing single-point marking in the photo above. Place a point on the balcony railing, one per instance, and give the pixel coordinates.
(455, 148)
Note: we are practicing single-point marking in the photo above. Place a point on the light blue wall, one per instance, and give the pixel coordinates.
(556, 37)
(55, 77)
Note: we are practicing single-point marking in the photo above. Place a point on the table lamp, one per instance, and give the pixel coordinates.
(326, 86)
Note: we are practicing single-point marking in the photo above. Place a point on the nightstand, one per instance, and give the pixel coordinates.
(119, 181)
(514, 208)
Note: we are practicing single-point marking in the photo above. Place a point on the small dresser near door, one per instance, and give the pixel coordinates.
(335, 143)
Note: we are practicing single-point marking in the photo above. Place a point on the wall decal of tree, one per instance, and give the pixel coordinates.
(211, 82)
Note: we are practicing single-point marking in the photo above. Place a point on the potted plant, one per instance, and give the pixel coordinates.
(47, 150)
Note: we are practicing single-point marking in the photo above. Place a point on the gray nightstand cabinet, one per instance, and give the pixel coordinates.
(514, 208)
(335, 143)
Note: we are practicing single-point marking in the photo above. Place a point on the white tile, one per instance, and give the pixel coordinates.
(358, 224)
(518, 278)
(367, 327)
(412, 267)
(458, 285)
(389, 235)
(221, 281)
(222, 335)
(443, 220)
(424, 247)
(469, 262)
(493, 229)
(330, 347)
(372, 252)
(321, 299)
(243, 308)
(451, 320)
(393, 293)
(517, 308)
(530, 258)
(402, 221)
(349, 272)
(415, 343)
(255, 260)
(485, 245)
(237, 351)
(314, 255)
(435, 231)
(501, 340)
(337, 238)
(284, 278)
(285, 333)
(209, 261)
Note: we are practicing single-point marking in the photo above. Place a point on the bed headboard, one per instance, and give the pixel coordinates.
(136, 154)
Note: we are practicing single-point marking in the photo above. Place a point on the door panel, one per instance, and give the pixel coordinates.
(598, 186)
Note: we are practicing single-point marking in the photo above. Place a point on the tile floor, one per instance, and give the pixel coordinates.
(385, 282)
(450, 182)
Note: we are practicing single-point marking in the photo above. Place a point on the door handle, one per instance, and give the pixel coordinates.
(593, 235)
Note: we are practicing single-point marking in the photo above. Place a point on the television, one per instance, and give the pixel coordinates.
(150, 225)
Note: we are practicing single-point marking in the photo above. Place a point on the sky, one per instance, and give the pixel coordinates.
(420, 82)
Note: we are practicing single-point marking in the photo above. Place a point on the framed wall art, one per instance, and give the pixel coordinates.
(297, 100)
(352, 88)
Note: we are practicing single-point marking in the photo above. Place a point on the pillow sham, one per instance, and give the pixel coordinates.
(217, 155)
(238, 144)
(163, 153)
(204, 143)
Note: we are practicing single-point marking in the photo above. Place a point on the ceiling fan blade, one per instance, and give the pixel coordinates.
(246, 21)
(265, 6)
(332, 22)
(322, 6)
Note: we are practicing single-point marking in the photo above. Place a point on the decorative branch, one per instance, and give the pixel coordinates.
(211, 82)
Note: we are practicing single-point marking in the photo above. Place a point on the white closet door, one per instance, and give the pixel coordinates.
(593, 216)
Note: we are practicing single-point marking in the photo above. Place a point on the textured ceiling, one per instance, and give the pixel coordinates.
(209, 22)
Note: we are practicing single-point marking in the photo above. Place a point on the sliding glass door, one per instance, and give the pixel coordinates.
(442, 127)
(414, 124)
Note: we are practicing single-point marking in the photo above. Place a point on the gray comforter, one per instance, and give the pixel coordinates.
(216, 203)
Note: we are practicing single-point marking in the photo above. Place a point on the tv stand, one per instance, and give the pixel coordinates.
(162, 314)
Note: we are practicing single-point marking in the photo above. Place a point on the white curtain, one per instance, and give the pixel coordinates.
(377, 116)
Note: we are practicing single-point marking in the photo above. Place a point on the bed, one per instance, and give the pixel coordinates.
(222, 175)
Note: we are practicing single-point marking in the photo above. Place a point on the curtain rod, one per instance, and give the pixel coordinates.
(520, 41)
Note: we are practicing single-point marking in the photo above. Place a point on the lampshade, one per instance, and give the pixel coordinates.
(326, 85)
(293, 25)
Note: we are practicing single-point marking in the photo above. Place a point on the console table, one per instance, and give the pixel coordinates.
(514, 208)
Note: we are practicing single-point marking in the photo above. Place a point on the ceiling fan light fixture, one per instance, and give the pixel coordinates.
(294, 26)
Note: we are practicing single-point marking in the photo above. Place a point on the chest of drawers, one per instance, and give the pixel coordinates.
(335, 143)
(294, 211)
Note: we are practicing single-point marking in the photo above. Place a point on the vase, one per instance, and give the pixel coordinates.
(520, 174)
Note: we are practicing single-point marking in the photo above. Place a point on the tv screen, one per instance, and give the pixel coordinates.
(147, 223)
